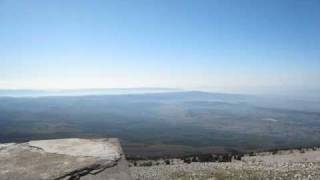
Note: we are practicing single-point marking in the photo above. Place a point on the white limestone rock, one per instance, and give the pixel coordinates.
(88, 159)
(102, 148)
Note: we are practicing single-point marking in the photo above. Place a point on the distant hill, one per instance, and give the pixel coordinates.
(80, 92)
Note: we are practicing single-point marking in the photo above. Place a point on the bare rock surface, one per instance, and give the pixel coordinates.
(80, 147)
(63, 159)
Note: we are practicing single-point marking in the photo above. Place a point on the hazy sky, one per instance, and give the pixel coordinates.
(253, 46)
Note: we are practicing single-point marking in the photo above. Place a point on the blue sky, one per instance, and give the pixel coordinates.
(250, 46)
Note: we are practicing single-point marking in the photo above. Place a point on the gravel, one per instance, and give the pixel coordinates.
(293, 164)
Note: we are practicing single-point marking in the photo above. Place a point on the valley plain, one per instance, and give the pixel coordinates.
(166, 124)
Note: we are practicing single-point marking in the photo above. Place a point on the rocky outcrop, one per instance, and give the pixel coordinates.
(63, 159)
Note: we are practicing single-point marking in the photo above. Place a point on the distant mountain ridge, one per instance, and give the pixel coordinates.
(80, 92)
(167, 94)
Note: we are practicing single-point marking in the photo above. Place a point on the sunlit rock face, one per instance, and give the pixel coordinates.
(63, 159)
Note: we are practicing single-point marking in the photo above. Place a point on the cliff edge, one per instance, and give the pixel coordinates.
(63, 159)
